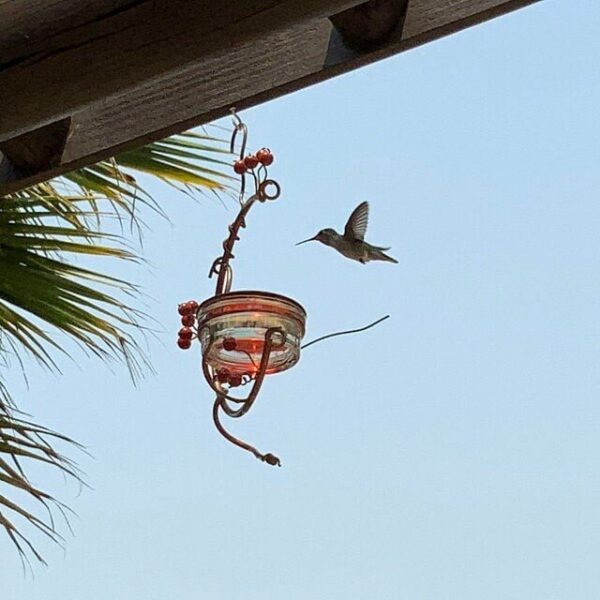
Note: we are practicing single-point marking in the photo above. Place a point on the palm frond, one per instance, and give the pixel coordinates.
(43, 230)
(44, 227)
(37, 280)
(162, 159)
(24, 442)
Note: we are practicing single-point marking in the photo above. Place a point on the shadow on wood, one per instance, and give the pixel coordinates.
(35, 151)
(369, 25)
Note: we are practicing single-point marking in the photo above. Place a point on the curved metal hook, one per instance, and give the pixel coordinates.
(246, 405)
(262, 190)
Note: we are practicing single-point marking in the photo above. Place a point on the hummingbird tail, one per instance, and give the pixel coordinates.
(379, 255)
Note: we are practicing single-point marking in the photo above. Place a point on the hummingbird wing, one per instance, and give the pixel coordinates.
(356, 227)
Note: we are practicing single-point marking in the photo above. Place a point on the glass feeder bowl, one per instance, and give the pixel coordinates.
(246, 316)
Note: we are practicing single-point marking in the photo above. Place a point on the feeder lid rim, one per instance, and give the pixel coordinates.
(258, 293)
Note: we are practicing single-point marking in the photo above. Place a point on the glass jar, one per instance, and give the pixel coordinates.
(245, 317)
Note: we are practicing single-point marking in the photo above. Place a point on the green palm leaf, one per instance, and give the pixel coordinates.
(25, 442)
(44, 294)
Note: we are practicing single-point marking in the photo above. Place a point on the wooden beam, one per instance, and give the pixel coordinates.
(151, 40)
(234, 63)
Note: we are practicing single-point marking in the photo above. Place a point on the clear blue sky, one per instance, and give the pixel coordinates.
(450, 453)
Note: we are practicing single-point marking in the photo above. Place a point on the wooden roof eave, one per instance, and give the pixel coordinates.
(103, 82)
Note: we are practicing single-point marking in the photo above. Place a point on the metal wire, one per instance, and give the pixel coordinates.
(246, 404)
(239, 126)
(330, 335)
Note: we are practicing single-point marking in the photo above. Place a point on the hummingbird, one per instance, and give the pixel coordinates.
(352, 243)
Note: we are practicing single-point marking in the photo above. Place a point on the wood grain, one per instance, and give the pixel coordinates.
(150, 41)
(32, 26)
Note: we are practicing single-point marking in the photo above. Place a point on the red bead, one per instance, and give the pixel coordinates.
(186, 333)
(223, 375)
(264, 156)
(184, 343)
(183, 309)
(251, 161)
(229, 344)
(239, 167)
(235, 380)
(192, 306)
(188, 320)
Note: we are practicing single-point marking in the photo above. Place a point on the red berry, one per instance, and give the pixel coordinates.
(239, 167)
(183, 309)
(223, 375)
(188, 320)
(229, 344)
(185, 333)
(192, 306)
(264, 156)
(235, 379)
(251, 161)
(184, 343)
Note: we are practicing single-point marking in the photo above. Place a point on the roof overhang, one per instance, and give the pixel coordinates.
(82, 80)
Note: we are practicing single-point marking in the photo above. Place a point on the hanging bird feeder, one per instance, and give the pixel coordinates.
(244, 335)
(233, 331)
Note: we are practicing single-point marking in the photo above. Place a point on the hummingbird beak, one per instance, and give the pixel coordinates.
(308, 240)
